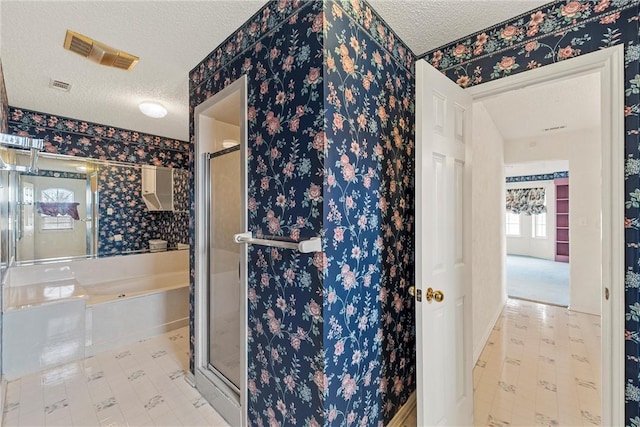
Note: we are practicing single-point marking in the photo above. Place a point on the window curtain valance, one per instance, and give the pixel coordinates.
(528, 201)
(58, 209)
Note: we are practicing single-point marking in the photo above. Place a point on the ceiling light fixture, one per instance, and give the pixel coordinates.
(153, 109)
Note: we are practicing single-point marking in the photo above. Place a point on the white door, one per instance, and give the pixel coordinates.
(443, 328)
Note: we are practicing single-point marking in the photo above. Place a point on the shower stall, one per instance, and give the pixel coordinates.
(220, 263)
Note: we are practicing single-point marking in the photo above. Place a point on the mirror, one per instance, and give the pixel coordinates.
(78, 207)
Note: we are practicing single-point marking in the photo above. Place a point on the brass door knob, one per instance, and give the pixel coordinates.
(434, 295)
(412, 291)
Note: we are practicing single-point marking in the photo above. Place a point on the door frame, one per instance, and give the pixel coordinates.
(609, 63)
(215, 390)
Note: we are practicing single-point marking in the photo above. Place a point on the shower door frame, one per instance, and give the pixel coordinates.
(228, 401)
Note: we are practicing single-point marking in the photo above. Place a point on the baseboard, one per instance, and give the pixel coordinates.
(477, 351)
(405, 410)
(190, 379)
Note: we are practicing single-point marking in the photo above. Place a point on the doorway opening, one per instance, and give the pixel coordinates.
(536, 345)
(220, 263)
(537, 223)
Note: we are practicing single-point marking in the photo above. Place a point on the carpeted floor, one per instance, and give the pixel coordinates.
(538, 280)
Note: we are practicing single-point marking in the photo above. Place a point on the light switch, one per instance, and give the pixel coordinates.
(109, 211)
(117, 237)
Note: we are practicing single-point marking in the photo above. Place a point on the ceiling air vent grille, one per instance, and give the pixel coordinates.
(554, 128)
(57, 84)
(99, 52)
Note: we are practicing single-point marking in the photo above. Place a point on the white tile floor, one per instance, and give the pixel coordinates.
(137, 385)
(541, 366)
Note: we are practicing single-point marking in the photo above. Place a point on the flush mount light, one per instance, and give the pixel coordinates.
(153, 109)
(228, 143)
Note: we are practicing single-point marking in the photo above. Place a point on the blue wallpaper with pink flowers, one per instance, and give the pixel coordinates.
(280, 51)
(557, 32)
(369, 341)
(119, 186)
(330, 115)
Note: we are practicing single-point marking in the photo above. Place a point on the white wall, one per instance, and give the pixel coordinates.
(583, 149)
(525, 244)
(488, 222)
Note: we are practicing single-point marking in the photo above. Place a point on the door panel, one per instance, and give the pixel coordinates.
(443, 327)
(458, 185)
(224, 267)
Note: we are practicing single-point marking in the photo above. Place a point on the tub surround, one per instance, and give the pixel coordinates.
(77, 313)
(93, 271)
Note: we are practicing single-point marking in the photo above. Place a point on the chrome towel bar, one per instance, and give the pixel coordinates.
(314, 244)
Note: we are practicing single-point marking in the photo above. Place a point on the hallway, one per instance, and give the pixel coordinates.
(540, 366)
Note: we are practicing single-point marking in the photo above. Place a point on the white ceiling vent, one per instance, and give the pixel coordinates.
(554, 128)
(59, 85)
(99, 52)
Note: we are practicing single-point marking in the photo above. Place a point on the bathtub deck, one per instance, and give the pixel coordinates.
(141, 384)
(17, 297)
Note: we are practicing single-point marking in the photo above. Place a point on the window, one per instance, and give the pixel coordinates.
(539, 225)
(60, 222)
(513, 224)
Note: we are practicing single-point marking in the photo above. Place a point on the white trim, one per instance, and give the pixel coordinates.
(609, 64)
(477, 351)
(231, 405)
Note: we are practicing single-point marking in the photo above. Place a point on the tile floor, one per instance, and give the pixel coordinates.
(138, 385)
(541, 366)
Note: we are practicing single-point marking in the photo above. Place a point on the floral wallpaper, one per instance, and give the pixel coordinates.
(280, 51)
(119, 186)
(540, 177)
(556, 32)
(72, 137)
(368, 217)
(120, 192)
(330, 94)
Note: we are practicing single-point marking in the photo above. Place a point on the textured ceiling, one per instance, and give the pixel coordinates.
(425, 25)
(172, 37)
(527, 112)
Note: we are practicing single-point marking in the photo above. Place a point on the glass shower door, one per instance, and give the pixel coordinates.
(220, 321)
(224, 266)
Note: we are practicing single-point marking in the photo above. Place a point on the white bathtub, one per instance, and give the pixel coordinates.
(124, 311)
(46, 325)
(135, 286)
